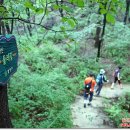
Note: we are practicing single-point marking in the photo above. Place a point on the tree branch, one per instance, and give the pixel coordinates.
(26, 21)
(44, 12)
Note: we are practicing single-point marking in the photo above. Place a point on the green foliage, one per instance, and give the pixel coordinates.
(40, 99)
(110, 18)
(45, 59)
(52, 70)
(70, 21)
(45, 85)
(119, 109)
(46, 82)
(109, 8)
(117, 47)
(59, 38)
(79, 3)
(126, 73)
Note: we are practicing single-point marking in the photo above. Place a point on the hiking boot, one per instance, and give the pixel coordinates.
(112, 86)
(89, 104)
(84, 105)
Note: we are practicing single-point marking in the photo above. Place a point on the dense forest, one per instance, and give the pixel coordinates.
(59, 42)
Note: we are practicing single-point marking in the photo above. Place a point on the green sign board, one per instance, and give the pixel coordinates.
(8, 57)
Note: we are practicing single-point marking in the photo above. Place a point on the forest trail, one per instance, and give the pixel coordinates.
(93, 116)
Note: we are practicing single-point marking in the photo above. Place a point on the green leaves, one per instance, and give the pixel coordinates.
(103, 11)
(43, 97)
(70, 21)
(79, 3)
(109, 8)
(62, 28)
(39, 10)
(3, 11)
(118, 110)
(29, 5)
(110, 18)
(65, 8)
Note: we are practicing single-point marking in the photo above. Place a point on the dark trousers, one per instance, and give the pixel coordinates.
(87, 94)
(99, 87)
(116, 79)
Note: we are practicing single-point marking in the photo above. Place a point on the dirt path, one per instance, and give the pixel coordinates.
(93, 116)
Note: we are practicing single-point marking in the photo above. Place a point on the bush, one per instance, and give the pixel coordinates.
(119, 109)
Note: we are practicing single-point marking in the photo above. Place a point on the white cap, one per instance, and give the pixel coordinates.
(102, 71)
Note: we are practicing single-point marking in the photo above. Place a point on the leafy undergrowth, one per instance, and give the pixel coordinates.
(45, 85)
(119, 109)
(49, 76)
(117, 47)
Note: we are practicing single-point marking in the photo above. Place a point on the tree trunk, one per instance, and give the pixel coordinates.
(98, 32)
(3, 28)
(7, 28)
(103, 32)
(12, 24)
(29, 27)
(5, 121)
(97, 37)
(60, 9)
(127, 11)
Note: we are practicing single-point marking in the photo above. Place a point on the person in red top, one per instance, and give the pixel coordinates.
(90, 82)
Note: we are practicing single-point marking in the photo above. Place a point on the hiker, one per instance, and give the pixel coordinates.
(101, 78)
(89, 84)
(116, 76)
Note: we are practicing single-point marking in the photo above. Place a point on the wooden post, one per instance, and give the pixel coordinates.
(5, 121)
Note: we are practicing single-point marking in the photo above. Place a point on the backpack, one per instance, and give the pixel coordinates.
(99, 79)
(87, 87)
(116, 72)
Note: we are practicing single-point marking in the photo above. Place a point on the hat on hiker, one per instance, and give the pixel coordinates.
(102, 71)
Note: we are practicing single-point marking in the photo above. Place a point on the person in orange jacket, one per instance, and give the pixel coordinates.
(89, 85)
